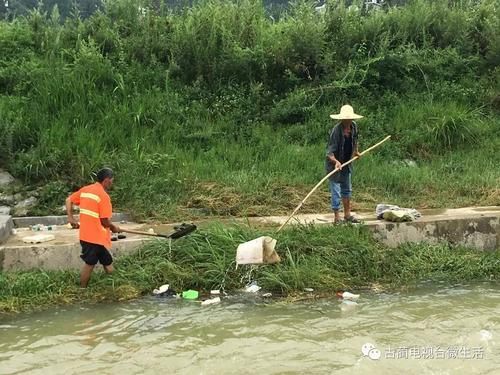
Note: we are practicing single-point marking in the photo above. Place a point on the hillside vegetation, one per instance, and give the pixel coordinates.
(219, 109)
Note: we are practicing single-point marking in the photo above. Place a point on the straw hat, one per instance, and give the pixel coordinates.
(346, 113)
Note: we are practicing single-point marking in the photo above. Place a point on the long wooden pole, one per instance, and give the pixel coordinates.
(144, 233)
(324, 179)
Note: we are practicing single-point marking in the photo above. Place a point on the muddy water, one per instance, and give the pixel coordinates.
(430, 330)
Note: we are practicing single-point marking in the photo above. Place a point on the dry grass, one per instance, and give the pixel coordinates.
(215, 199)
(492, 197)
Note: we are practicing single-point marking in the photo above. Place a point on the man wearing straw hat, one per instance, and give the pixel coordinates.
(342, 146)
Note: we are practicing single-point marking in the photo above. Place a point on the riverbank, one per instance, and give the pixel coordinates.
(221, 111)
(473, 227)
(325, 258)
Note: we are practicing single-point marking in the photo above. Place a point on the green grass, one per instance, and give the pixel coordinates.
(325, 258)
(163, 178)
(217, 110)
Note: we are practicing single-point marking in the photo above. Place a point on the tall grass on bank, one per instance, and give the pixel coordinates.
(325, 258)
(221, 110)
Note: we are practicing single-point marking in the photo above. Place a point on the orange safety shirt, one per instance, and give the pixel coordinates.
(95, 205)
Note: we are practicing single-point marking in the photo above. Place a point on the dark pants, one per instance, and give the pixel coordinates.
(93, 253)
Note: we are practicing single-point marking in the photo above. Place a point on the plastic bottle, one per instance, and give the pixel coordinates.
(348, 296)
(211, 301)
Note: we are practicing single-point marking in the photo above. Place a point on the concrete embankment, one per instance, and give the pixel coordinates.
(6, 225)
(475, 227)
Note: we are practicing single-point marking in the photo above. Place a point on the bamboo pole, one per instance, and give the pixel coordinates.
(324, 179)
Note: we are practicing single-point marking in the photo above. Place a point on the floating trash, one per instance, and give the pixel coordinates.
(211, 301)
(347, 295)
(190, 294)
(162, 289)
(252, 287)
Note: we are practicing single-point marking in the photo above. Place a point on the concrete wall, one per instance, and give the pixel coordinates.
(23, 222)
(56, 257)
(480, 232)
(6, 226)
(474, 227)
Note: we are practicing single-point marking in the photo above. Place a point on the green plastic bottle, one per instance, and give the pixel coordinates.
(190, 294)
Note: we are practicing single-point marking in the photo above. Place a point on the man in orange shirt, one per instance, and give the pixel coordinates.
(95, 223)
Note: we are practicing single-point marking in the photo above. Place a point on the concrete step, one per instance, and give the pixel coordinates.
(474, 227)
(28, 221)
(61, 253)
(6, 226)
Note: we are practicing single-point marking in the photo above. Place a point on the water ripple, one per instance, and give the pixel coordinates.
(244, 336)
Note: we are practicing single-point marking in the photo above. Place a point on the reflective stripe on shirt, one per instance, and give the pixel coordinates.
(83, 211)
(91, 196)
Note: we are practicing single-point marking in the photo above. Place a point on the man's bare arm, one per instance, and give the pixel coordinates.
(106, 223)
(69, 212)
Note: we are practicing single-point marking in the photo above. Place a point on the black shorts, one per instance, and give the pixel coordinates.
(92, 253)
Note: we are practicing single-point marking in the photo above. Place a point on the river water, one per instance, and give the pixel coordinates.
(429, 330)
